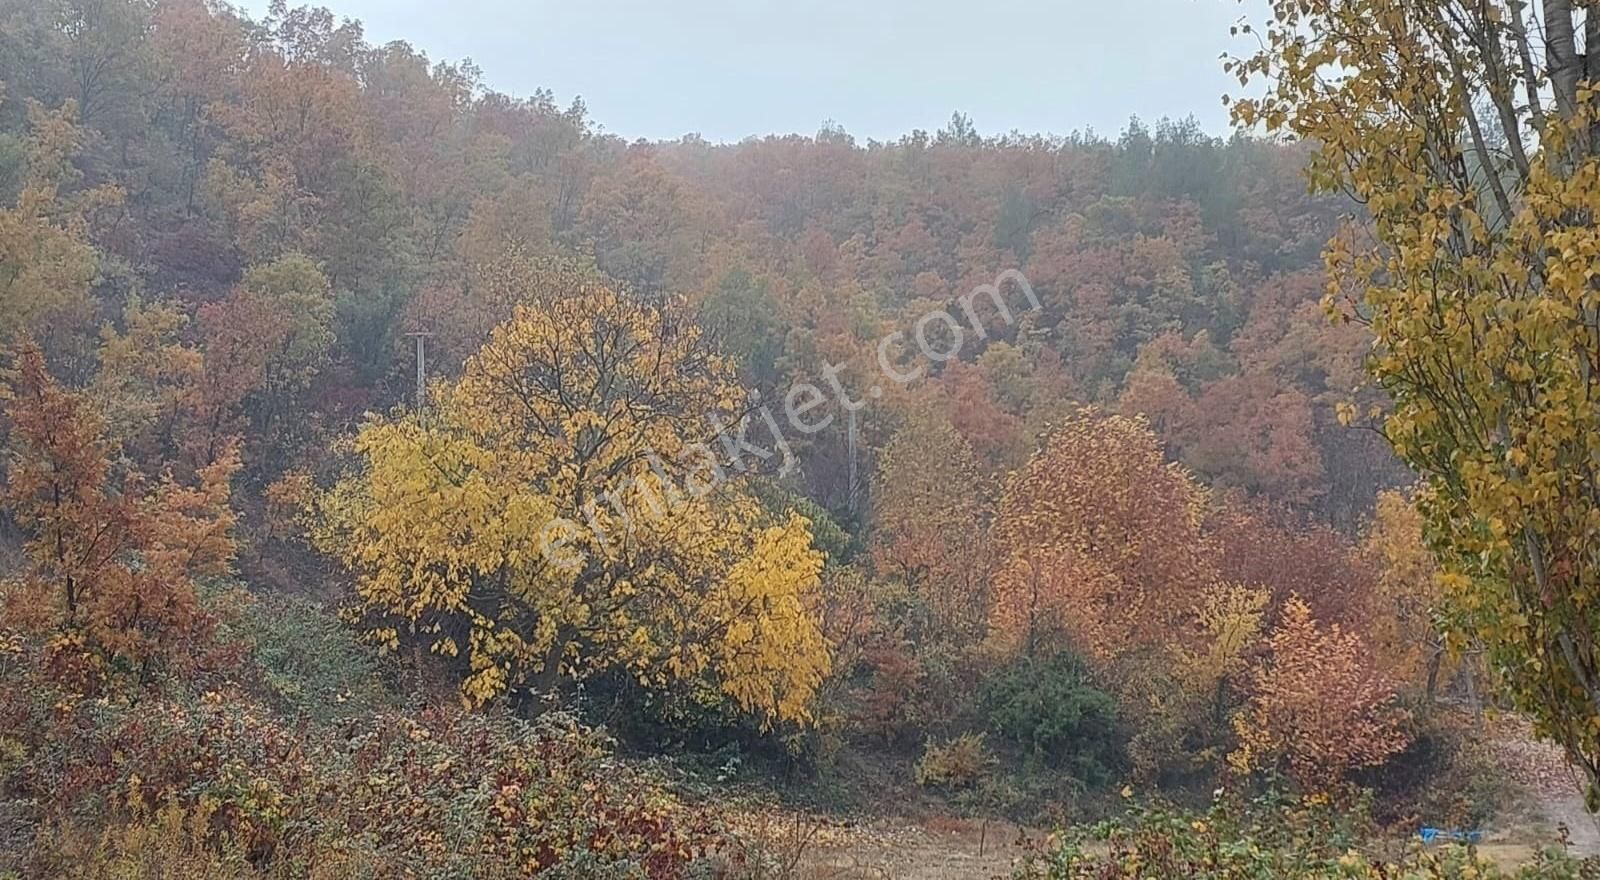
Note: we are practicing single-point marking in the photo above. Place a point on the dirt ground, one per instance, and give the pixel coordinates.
(1551, 795)
(932, 849)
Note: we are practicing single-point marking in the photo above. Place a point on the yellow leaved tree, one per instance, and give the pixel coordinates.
(1402, 633)
(47, 265)
(567, 507)
(932, 512)
(1470, 132)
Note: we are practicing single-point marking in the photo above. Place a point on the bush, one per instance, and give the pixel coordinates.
(893, 704)
(1050, 708)
(171, 843)
(439, 793)
(693, 719)
(959, 763)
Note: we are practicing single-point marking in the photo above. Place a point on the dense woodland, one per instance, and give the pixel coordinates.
(269, 613)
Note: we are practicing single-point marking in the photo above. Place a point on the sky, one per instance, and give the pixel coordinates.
(729, 69)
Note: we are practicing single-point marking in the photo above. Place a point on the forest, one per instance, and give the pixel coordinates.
(401, 478)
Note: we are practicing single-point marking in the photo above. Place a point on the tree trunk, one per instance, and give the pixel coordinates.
(1591, 61)
(1524, 52)
(1561, 55)
(544, 688)
(1591, 41)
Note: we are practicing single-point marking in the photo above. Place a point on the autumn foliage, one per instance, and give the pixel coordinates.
(1100, 540)
(1471, 141)
(271, 605)
(112, 559)
(560, 511)
(1318, 705)
(1110, 548)
(934, 509)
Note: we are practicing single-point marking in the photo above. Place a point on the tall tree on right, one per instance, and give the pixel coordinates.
(1470, 131)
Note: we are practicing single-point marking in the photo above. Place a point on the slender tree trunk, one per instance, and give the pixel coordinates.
(1530, 80)
(1591, 38)
(1591, 60)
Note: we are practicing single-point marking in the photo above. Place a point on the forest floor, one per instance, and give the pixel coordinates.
(1551, 797)
(868, 821)
(811, 847)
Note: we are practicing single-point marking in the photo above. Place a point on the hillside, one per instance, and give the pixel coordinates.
(397, 472)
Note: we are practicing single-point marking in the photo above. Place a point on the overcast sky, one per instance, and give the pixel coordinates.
(727, 69)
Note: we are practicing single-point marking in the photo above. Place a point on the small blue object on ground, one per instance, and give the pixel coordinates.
(1433, 835)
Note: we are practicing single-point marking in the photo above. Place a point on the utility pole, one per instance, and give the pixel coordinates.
(850, 453)
(422, 368)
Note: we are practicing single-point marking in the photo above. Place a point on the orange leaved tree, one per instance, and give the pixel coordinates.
(1320, 708)
(112, 557)
(1099, 538)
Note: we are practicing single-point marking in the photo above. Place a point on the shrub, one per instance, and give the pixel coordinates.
(440, 793)
(959, 763)
(173, 842)
(892, 706)
(1051, 708)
